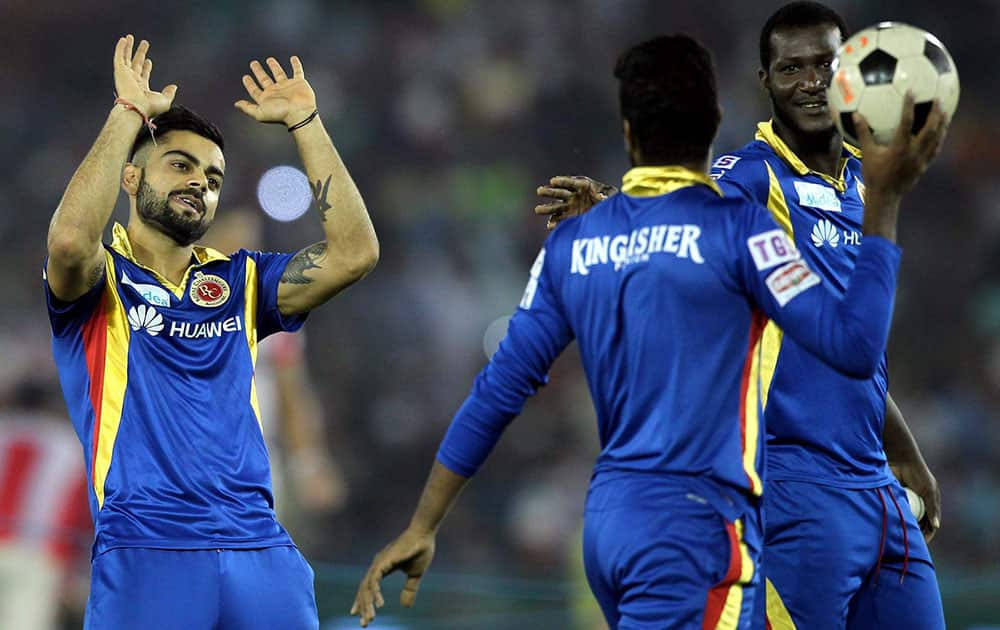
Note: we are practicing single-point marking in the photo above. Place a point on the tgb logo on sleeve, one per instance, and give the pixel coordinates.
(771, 248)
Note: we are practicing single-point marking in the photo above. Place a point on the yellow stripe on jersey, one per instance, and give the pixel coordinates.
(730, 617)
(766, 133)
(115, 379)
(250, 326)
(751, 413)
(652, 181)
(777, 615)
(770, 343)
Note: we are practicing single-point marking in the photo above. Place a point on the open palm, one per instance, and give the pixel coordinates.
(277, 98)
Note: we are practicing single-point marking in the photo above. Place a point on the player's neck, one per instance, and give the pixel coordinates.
(821, 152)
(157, 251)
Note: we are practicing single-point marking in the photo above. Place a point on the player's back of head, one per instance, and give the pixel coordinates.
(668, 95)
(177, 118)
(799, 14)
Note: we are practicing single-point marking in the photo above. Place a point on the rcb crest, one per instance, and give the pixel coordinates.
(208, 290)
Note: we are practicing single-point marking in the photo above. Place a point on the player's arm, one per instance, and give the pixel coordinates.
(76, 257)
(573, 196)
(537, 334)
(350, 249)
(908, 465)
(850, 333)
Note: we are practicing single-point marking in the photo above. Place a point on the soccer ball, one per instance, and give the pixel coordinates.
(875, 68)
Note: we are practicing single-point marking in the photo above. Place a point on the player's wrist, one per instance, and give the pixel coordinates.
(301, 119)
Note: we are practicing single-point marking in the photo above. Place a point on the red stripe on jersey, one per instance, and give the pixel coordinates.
(95, 343)
(18, 462)
(715, 603)
(757, 324)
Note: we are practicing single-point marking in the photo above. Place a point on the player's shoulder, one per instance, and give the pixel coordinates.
(745, 166)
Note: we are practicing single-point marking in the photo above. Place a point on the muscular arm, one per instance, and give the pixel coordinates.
(908, 465)
(76, 259)
(350, 249)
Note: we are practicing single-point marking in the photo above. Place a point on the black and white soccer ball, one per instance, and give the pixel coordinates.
(875, 68)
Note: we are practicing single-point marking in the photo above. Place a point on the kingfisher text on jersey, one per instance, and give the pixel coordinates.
(159, 382)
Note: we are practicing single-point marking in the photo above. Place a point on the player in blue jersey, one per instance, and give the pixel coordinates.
(155, 341)
(667, 289)
(841, 545)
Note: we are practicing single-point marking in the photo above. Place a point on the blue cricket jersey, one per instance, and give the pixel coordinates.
(667, 289)
(159, 383)
(822, 426)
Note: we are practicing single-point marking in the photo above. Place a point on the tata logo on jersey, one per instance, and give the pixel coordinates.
(146, 318)
(626, 249)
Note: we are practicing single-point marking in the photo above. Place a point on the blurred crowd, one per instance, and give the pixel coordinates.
(449, 113)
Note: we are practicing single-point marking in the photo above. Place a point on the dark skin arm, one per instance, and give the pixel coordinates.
(908, 465)
(413, 550)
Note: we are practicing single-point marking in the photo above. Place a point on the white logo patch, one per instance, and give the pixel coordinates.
(789, 280)
(149, 292)
(725, 162)
(824, 233)
(817, 196)
(529, 291)
(145, 317)
(771, 248)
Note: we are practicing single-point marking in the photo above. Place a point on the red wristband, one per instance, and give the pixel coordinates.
(145, 119)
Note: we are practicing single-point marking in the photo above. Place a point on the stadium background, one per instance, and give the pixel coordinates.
(448, 114)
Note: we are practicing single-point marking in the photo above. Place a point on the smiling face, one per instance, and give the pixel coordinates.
(178, 186)
(798, 76)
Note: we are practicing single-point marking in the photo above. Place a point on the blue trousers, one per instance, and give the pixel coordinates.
(839, 558)
(227, 589)
(671, 553)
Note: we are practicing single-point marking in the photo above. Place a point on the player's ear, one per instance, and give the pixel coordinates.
(630, 148)
(762, 81)
(131, 176)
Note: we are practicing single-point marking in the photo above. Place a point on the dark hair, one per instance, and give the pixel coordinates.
(794, 15)
(178, 118)
(667, 93)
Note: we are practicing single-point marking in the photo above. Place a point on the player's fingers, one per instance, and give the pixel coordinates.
(169, 92)
(260, 74)
(863, 132)
(553, 221)
(297, 71)
(555, 207)
(572, 182)
(276, 70)
(248, 108)
(140, 56)
(147, 69)
(251, 87)
(120, 51)
(126, 58)
(555, 193)
(409, 595)
(905, 129)
(931, 137)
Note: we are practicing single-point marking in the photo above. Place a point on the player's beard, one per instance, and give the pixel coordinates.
(155, 211)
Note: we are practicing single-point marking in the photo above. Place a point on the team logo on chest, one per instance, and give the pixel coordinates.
(208, 290)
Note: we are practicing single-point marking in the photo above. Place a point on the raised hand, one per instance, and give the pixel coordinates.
(132, 72)
(893, 169)
(411, 553)
(574, 195)
(276, 97)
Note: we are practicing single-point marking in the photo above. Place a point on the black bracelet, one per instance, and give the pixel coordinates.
(305, 122)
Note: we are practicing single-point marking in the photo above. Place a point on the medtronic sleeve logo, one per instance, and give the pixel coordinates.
(825, 233)
(790, 280)
(771, 248)
(817, 196)
(536, 271)
(145, 318)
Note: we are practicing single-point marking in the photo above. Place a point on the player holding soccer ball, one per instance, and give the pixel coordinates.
(155, 340)
(667, 288)
(841, 544)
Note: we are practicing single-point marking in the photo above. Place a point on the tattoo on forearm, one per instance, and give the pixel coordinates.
(321, 191)
(95, 276)
(308, 258)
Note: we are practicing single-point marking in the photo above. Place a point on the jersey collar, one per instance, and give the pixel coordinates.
(652, 181)
(203, 255)
(765, 133)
